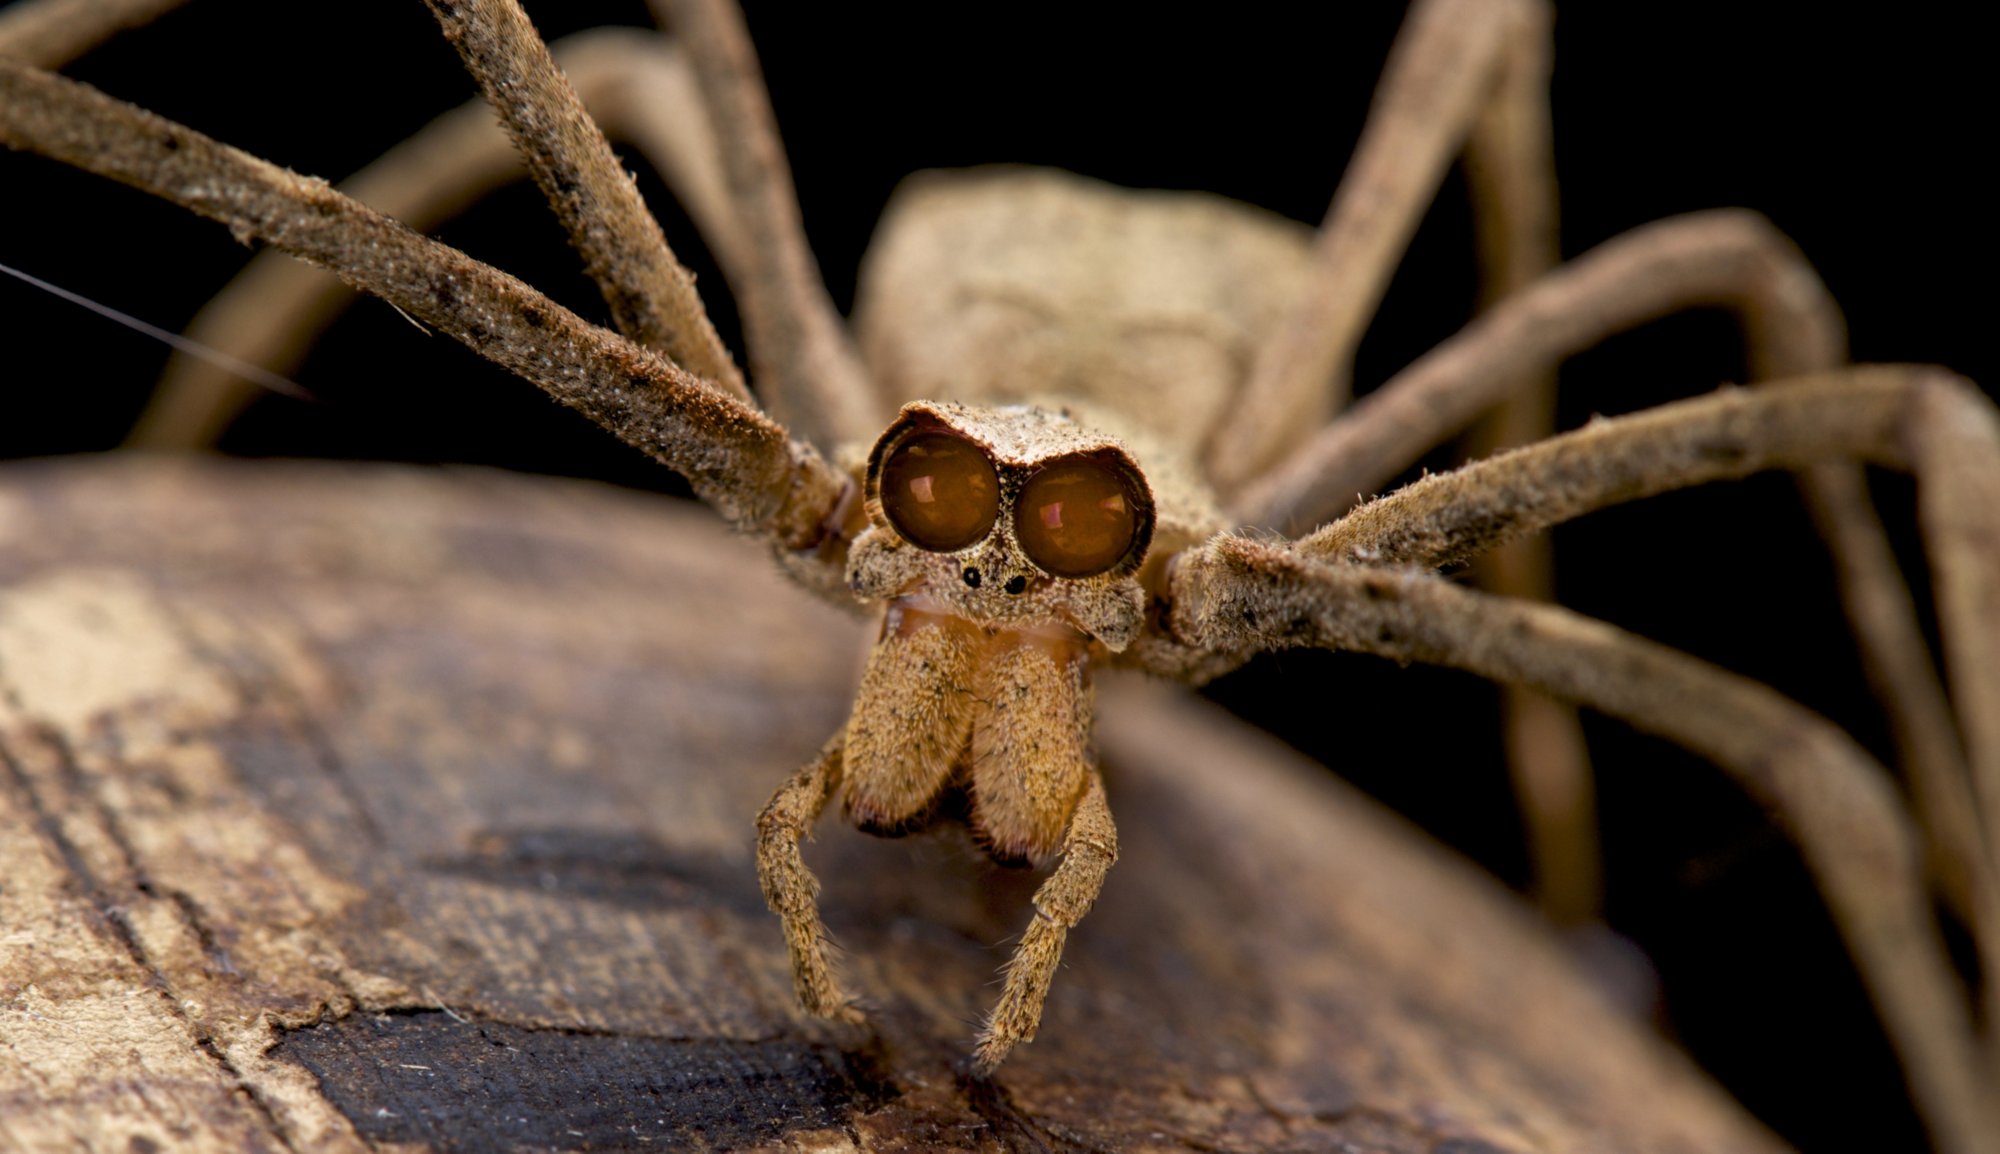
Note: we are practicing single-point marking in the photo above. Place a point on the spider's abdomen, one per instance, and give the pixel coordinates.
(1002, 714)
(1007, 285)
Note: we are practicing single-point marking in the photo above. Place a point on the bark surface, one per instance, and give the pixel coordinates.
(345, 808)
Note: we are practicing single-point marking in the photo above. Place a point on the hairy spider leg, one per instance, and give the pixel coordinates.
(790, 888)
(1089, 850)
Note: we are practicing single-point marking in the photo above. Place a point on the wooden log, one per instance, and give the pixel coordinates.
(348, 808)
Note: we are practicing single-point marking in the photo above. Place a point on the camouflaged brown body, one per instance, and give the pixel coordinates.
(976, 687)
(1135, 314)
(1053, 318)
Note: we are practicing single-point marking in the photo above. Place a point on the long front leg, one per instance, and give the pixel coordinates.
(791, 889)
(740, 462)
(635, 84)
(1088, 851)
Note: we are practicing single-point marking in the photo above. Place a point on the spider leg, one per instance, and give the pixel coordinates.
(1452, 77)
(1088, 851)
(790, 888)
(1864, 414)
(1510, 165)
(1510, 171)
(1729, 258)
(1479, 76)
(1958, 435)
(1836, 801)
(651, 296)
(1510, 161)
(738, 460)
(51, 33)
(1445, 62)
(636, 85)
(1857, 414)
(1904, 678)
(802, 358)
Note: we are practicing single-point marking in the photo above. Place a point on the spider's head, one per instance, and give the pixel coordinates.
(1016, 514)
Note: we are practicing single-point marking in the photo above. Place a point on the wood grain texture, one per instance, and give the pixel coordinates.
(347, 808)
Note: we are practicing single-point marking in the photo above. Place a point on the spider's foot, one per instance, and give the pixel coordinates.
(822, 997)
(989, 1051)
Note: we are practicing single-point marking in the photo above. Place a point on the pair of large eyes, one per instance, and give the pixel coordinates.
(1074, 518)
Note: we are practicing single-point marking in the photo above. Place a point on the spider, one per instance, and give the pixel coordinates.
(1166, 599)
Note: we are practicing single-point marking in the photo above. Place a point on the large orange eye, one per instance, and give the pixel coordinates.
(1076, 518)
(940, 491)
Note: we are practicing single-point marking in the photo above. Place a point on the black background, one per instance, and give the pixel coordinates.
(1856, 134)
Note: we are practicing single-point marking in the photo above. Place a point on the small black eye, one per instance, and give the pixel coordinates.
(972, 577)
(1016, 584)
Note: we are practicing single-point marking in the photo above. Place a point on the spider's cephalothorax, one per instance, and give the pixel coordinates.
(1006, 543)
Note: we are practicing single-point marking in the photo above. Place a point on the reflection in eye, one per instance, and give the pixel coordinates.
(940, 491)
(1113, 505)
